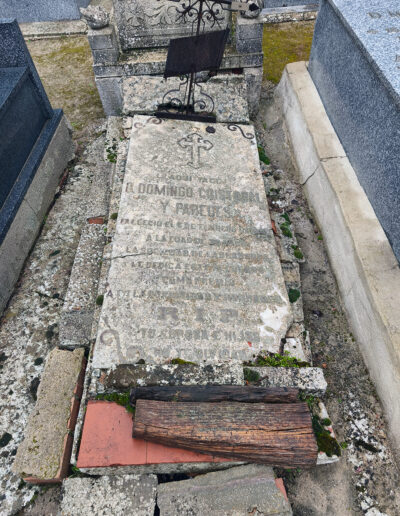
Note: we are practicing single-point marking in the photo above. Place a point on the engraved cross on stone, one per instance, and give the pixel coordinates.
(196, 143)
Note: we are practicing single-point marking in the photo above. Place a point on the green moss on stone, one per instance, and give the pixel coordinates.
(117, 397)
(250, 375)
(262, 156)
(99, 300)
(297, 253)
(286, 230)
(294, 295)
(180, 361)
(276, 360)
(326, 443)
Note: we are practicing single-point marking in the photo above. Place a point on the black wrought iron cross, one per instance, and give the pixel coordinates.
(199, 52)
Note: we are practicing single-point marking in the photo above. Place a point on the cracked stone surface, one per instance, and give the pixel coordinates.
(240, 491)
(195, 273)
(121, 495)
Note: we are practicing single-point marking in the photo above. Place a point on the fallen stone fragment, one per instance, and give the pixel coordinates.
(127, 376)
(309, 380)
(244, 490)
(43, 456)
(77, 313)
(117, 495)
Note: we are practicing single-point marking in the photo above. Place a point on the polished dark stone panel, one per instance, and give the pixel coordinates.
(27, 122)
(14, 52)
(22, 118)
(42, 10)
(355, 65)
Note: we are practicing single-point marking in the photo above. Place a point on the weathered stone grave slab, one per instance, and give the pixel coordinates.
(355, 65)
(152, 23)
(194, 273)
(225, 95)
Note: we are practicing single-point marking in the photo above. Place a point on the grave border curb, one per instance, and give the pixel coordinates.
(362, 259)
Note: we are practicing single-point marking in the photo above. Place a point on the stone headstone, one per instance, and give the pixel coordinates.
(29, 129)
(152, 23)
(42, 10)
(355, 65)
(194, 271)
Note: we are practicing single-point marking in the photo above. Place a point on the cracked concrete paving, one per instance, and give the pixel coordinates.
(29, 326)
(365, 480)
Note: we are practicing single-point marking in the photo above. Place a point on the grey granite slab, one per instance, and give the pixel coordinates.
(194, 269)
(42, 10)
(152, 23)
(224, 95)
(355, 65)
(14, 53)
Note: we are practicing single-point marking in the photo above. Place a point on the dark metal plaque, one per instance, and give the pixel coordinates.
(196, 53)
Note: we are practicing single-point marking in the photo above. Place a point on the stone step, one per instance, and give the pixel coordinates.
(224, 95)
(239, 491)
(126, 494)
(44, 454)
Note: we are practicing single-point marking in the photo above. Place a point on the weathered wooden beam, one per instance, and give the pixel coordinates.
(206, 393)
(274, 434)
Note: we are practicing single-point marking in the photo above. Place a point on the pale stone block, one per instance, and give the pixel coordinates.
(120, 495)
(44, 454)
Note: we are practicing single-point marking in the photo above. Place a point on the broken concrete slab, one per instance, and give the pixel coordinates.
(43, 456)
(77, 312)
(244, 490)
(117, 495)
(224, 95)
(98, 200)
(309, 380)
(124, 377)
(194, 237)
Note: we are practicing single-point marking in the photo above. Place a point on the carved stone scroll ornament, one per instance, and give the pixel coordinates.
(96, 16)
(255, 13)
